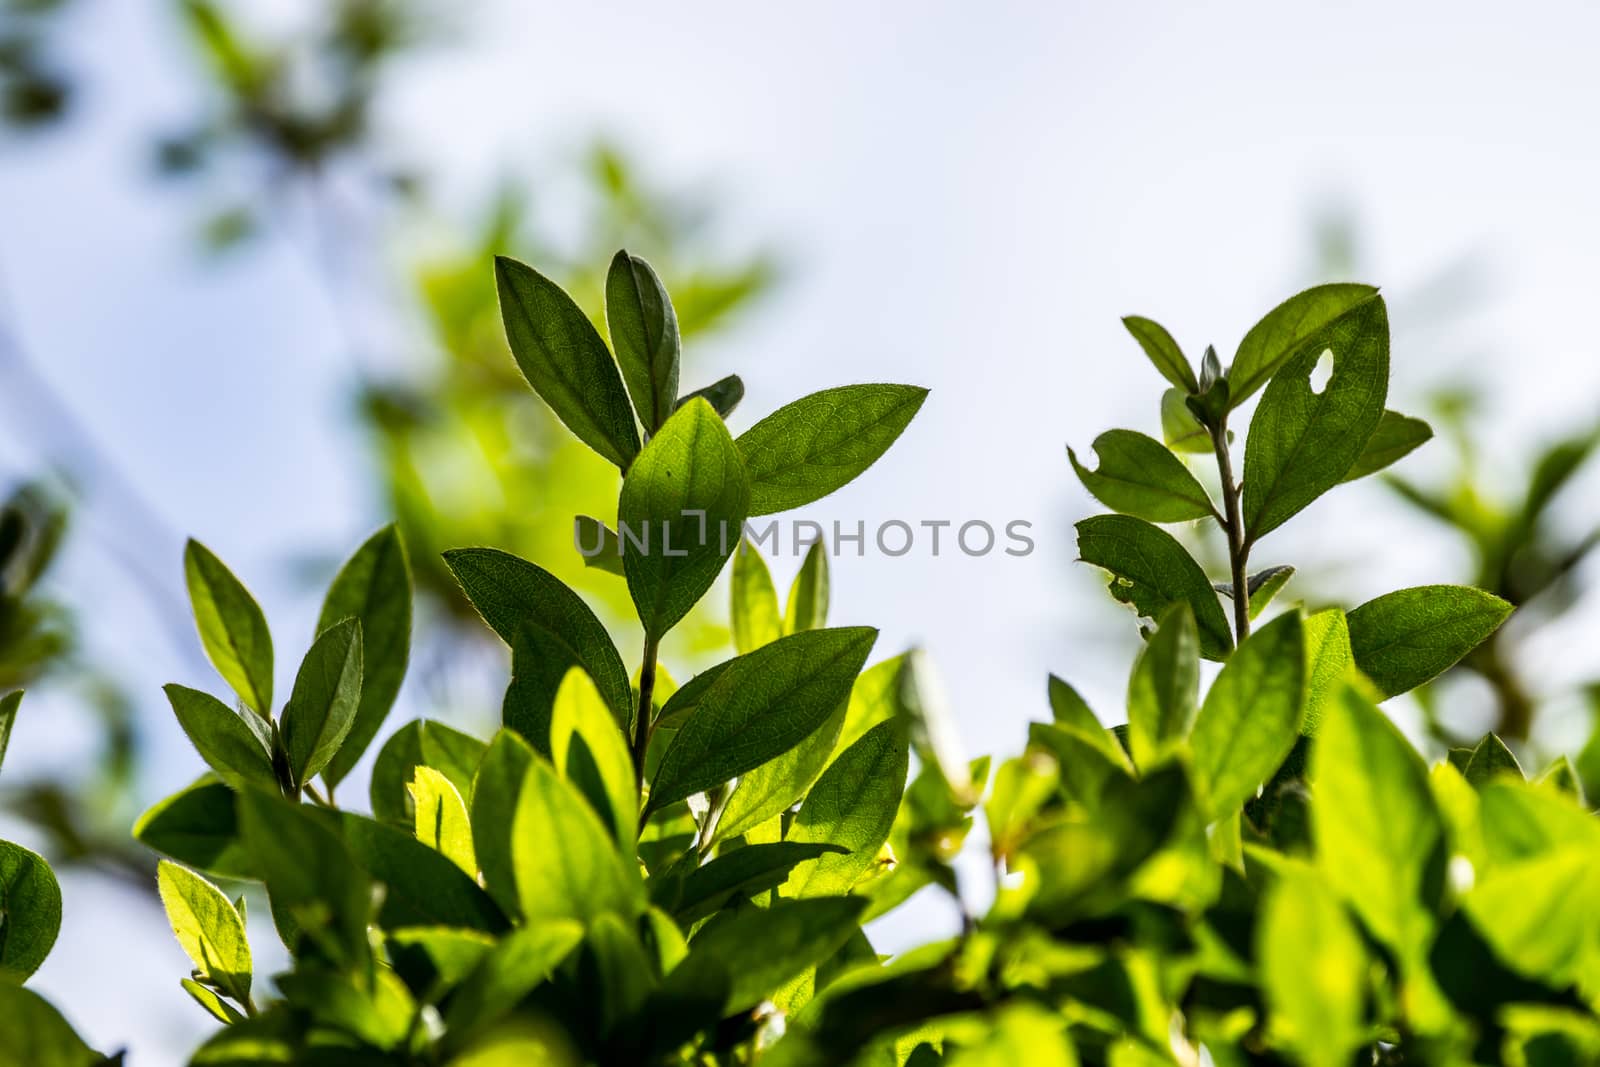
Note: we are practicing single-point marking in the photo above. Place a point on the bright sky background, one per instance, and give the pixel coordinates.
(970, 197)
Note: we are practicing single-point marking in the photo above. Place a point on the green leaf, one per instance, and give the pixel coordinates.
(807, 608)
(1164, 689)
(442, 822)
(422, 887)
(208, 928)
(512, 594)
(1538, 913)
(1139, 476)
(8, 715)
(597, 543)
(222, 738)
(740, 875)
(565, 863)
(212, 1002)
(1251, 716)
(501, 772)
(1163, 352)
(30, 913)
(1302, 443)
(853, 805)
(515, 967)
(723, 395)
(1180, 430)
(1149, 570)
(805, 450)
(36, 1035)
(1491, 757)
(1285, 329)
(777, 784)
(755, 602)
(1264, 585)
(1328, 660)
(232, 628)
(761, 706)
(198, 826)
(1405, 638)
(311, 877)
(1313, 972)
(588, 748)
(565, 361)
(1396, 437)
(1071, 712)
(746, 956)
(374, 588)
(644, 332)
(681, 515)
(322, 705)
(1373, 821)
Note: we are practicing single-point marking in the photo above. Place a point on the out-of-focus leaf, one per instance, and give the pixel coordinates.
(1328, 661)
(723, 395)
(1491, 757)
(516, 966)
(8, 715)
(35, 1034)
(1164, 688)
(807, 607)
(1313, 972)
(1180, 430)
(1251, 716)
(756, 621)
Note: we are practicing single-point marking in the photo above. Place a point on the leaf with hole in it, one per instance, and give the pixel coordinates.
(681, 515)
(221, 737)
(755, 617)
(1150, 570)
(8, 715)
(322, 705)
(373, 587)
(1264, 585)
(1405, 638)
(441, 818)
(761, 705)
(1163, 352)
(232, 628)
(1164, 688)
(644, 332)
(807, 607)
(208, 927)
(853, 805)
(1396, 437)
(30, 912)
(1303, 441)
(512, 595)
(805, 450)
(1139, 476)
(1180, 430)
(563, 358)
(1283, 330)
(723, 395)
(1251, 716)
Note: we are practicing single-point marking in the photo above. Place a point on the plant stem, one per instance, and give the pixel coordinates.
(1238, 551)
(641, 725)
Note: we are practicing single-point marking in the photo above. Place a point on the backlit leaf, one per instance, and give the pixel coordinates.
(1150, 570)
(1405, 638)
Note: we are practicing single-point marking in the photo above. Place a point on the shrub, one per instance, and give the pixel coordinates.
(631, 871)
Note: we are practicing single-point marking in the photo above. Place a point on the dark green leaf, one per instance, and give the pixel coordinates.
(755, 602)
(1403, 639)
(373, 587)
(1490, 758)
(8, 715)
(208, 927)
(222, 738)
(1164, 689)
(853, 805)
(807, 608)
(1163, 352)
(681, 515)
(422, 887)
(35, 1034)
(30, 913)
(565, 361)
(598, 545)
(807, 449)
(1149, 570)
(501, 772)
(1251, 716)
(1397, 436)
(1302, 443)
(739, 875)
(1280, 334)
(232, 628)
(511, 594)
(1139, 476)
(723, 395)
(199, 827)
(1263, 585)
(762, 705)
(644, 332)
(322, 705)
